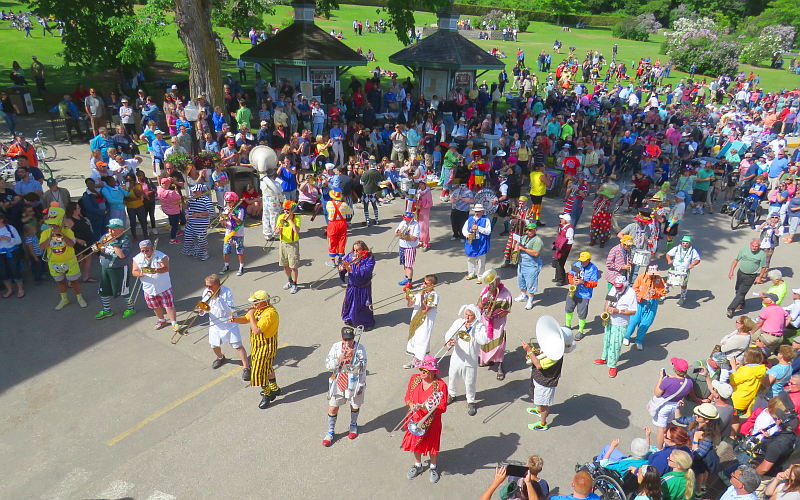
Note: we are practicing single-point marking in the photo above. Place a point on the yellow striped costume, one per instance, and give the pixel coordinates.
(263, 345)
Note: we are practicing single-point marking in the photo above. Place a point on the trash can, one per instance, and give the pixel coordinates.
(240, 177)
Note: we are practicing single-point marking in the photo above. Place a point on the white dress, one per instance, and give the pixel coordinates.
(419, 344)
(220, 328)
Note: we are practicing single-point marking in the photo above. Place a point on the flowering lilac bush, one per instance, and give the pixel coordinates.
(772, 39)
(700, 42)
(638, 28)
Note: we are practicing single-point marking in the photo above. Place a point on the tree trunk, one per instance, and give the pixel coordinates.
(193, 18)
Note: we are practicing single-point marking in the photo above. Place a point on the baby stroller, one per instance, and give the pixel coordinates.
(608, 484)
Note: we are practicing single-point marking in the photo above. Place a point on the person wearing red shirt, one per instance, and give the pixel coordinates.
(570, 164)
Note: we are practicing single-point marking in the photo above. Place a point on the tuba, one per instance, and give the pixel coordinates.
(554, 340)
(263, 158)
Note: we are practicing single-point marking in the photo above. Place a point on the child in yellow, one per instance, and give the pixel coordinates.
(746, 380)
(539, 184)
(58, 243)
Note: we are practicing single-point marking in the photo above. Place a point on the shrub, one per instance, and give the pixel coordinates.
(699, 41)
(523, 22)
(638, 28)
(771, 40)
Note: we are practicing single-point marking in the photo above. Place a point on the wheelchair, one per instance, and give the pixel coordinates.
(608, 484)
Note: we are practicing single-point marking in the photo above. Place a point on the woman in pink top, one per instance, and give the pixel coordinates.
(172, 205)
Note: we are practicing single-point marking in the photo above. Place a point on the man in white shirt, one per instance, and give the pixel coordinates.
(151, 267)
(620, 306)
(408, 233)
(218, 305)
(794, 309)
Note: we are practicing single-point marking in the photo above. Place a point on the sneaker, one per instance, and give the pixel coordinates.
(293, 290)
(435, 476)
(626, 342)
(472, 409)
(533, 411)
(62, 304)
(224, 269)
(327, 440)
(599, 361)
(538, 426)
(353, 432)
(529, 305)
(453, 238)
(639, 347)
(264, 404)
(103, 315)
(408, 366)
(288, 285)
(404, 282)
(729, 313)
(219, 362)
(579, 335)
(204, 257)
(154, 230)
(612, 372)
(521, 297)
(127, 313)
(240, 271)
(471, 277)
(450, 399)
(414, 471)
(160, 324)
(81, 301)
(330, 263)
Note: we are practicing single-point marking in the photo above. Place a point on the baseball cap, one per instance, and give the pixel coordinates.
(584, 256)
(531, 225)
(116, 223)
(52, 181)
(724, 390)
(564, 216)
(145, 244)
(772, 297)
(258, 296)
(680, 364)
(686, 238)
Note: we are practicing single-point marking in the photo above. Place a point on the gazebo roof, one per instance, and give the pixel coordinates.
(447, 50)
(304, 44)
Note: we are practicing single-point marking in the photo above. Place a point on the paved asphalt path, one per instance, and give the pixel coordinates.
(112, 410)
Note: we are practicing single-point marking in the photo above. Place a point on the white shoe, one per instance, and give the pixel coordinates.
(529, 305)
(293, 290)
(288, 285)
(626, 342)
(521, 298)
(640, 347)
(240, 271)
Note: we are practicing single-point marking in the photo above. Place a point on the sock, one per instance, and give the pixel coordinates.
(417, 464)
(331, 423)
(265, 390)
(581, 325)
(273, 386)
(433, 466)
(106, 301)
(683, 292)
(63, 296)
(568, 320)
(353, 418)
(669, 244)
(241, 266)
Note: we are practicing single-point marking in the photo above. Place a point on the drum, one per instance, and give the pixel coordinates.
(641, 257)
(676, 277)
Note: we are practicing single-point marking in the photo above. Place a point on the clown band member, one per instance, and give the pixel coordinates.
(114, 249)
(408, 233)
(477, 231)
(338, 212)
(424, 205)
(573, 205)
(348, 361)
(494, 304)
(583, 275)
(562, 246)
(642, 250)
(426, 398)
(466, 348)
(263, 321)
(425, 304)
(530, 264)
(221, 329)
(618, 262)
(478, 169)
(58, 242)
(620, 305)
(358, 265)
(602, 215)
(683, 259)
(198, 215)
(650, 289)
(674, 218)
(233, 218)
(545, 374)
(540, 181)
(271, 197)
(151, 266)
(287, 225)
(519, 218)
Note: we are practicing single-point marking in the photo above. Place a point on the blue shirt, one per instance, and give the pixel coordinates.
(288, 180)
(336, 134)
(591, 496)
(588, 273)
(778, 166)
(32, 186)
(115, 197)
(158, 147)
(101, 143)
(218, 120)
(480, 244)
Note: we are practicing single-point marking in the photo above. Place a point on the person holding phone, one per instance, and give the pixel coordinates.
(348, 361)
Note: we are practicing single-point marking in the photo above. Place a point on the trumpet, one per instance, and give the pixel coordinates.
(605, 318)
(571, 291)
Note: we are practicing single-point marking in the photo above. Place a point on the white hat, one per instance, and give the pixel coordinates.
(478, 208)
(796, 290)
(329, 166)
(565, 217)
(620, 280)
(158, 132)
(724, 390)
(174, 87)
(500, 152)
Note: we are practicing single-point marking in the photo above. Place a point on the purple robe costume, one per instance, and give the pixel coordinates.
(358, 297)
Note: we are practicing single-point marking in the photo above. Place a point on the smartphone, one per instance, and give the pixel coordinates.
(515, 470)
(663, 372)
(698, 369)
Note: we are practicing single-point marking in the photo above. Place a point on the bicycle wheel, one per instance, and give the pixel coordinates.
(46, 152)
(738, 215)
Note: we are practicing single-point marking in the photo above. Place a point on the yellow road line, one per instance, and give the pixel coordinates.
(160, 413)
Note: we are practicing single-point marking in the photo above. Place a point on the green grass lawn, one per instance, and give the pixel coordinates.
(170, 51)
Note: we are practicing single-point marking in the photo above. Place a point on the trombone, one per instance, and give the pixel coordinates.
(462, 334)
(218, 219)
(407, 293)
(202, 305)
(88, 251)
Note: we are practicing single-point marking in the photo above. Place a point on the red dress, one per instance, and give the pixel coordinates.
(429, 442)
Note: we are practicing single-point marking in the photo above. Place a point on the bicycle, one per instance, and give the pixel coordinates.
(740, 210)
(44, 151)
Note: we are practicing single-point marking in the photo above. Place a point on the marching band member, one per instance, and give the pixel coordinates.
(408, 233)
(520, 217)
(620, 305)
(494, 304)
(478, 169)
(234, 232)
(272, 197)
(424, 205)
(466, 349)
(425, 304)
(263, 321)
(113, 248)
(460, 199)
(562, 246)
(583, 275)
(58, 242)
(650, 289)
(198, 215)
(287, 226)
(642, 248)
(358, 265)
(338, 211)
(683, 258)
(426, 398)
(530, 264)
(618, 262)
(478, 231)
(347, 383)
(221, 329)
(151, 266)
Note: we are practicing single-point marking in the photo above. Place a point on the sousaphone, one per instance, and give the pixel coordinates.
(554, 340)
(263, 158)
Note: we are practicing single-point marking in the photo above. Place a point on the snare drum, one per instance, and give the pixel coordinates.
(641, 257)
(676, 277)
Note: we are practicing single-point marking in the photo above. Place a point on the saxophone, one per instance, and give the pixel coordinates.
(473, 233)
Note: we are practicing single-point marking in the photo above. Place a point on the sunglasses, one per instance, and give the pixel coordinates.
(424, 370)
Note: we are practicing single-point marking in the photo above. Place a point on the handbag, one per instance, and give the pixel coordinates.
(657, 402)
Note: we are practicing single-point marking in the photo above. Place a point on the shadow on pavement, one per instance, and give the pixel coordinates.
(582, 407)
(292, 355)
(655, 347)
(483, 453)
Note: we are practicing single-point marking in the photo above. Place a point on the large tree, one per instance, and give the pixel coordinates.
(193, 18)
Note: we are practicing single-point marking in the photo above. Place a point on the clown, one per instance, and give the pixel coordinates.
(478, 169)
(287, 227)
(338, 213)
(58, 243)
(233, 217)
(650, 289)
(466, 349)
(199, 209)
(494, 304)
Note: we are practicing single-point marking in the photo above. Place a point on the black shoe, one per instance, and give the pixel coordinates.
(472, 409)
(450, 400)
(729, 313)
(274, 394)
(264, 402)
(540, 223)
(219, 362)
